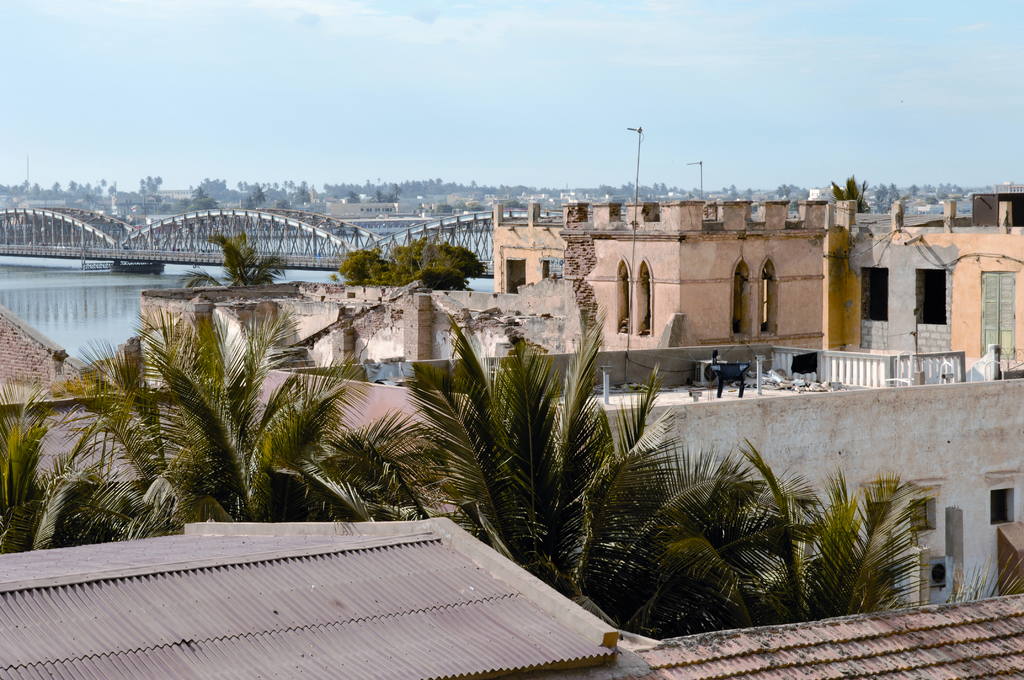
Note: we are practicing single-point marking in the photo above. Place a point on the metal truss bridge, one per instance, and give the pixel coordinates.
(305, 240)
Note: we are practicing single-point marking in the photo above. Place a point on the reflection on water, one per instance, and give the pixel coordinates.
(78, 309)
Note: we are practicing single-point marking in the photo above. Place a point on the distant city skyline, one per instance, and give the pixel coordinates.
(529, 93)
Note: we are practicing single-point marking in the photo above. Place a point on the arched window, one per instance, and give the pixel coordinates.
(769, 298)
(622, 282)
(643, 300)
(741, 299)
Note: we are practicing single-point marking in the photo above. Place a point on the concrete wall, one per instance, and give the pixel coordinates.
(958, 441)
(964, 252)
(28, 356)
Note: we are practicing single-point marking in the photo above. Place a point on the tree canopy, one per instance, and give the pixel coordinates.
(440, 266)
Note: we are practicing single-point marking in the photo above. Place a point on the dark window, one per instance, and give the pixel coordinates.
(1000, 506)
(515, 275)
(924, 514)
(931, 296)
(875, 293)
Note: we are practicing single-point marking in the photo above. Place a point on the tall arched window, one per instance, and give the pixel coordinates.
(622, 282)
(644, 312)
(769, 298)
(741, 299)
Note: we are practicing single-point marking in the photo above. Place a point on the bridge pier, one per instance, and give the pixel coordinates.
(137, 267)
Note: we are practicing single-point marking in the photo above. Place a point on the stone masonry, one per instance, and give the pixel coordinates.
(28, 356)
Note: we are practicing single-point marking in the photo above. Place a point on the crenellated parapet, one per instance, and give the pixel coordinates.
(697, 216)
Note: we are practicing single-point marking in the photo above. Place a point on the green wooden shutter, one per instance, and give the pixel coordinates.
(998, 318)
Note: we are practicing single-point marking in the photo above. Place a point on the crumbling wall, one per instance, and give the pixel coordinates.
(28, 356)
(580, 260)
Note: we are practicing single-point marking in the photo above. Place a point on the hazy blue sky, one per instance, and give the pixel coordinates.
(514, 92)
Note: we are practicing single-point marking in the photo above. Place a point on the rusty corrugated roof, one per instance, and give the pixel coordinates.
(272, 606)
(971, 640)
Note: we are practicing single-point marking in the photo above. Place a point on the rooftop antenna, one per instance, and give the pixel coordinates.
(636, 210)
(26, 169)
(701, 164)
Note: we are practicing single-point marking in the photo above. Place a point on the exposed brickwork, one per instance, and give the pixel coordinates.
(580, 260)
(28, 356)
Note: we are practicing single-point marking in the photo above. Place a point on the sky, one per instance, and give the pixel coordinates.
(536, 93)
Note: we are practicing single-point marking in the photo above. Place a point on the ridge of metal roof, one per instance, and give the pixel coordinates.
(257, 556)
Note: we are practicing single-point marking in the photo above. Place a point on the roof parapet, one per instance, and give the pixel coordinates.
(682, 215)
(607, 216)
(735, 215)
(638, 215)
(775, 214)
(815, 214)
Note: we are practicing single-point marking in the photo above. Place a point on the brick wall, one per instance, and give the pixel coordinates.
(580, 260)
(26, 355)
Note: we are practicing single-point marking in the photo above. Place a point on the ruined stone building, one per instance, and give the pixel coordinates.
(681, 273)
(335, 322)
(526, 251)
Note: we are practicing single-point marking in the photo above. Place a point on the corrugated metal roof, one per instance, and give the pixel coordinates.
(975, 640)
(316, 606)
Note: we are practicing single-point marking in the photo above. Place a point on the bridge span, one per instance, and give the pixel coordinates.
(305, 240)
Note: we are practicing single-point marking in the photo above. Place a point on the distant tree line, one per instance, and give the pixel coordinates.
(213, 192)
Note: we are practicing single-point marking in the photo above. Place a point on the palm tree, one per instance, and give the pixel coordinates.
(851, 191)
(658, 540)
(532, 464)
(759, 549)
(38, 502)
(243, 266)
(202, 427)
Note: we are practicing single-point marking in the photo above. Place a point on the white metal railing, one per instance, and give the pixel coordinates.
(862, 369)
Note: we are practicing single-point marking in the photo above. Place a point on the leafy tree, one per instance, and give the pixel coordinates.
(243, 266)
(201, 200)
(438, 265)
(851, 191)
(364, 268)
(256, 198)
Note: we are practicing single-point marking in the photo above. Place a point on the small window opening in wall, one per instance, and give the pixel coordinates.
(768, 303)
(622, 281)
(931, 296)
(924, 519)
(643, 300)
(1000, 506)
(875, 293)
(741, 299)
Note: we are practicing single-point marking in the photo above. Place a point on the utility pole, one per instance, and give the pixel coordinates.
(701, 164)
(636, 209)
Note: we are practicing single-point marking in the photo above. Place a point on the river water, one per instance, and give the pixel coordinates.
(84, 310)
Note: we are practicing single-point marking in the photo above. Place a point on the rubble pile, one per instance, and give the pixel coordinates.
(776, 379)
